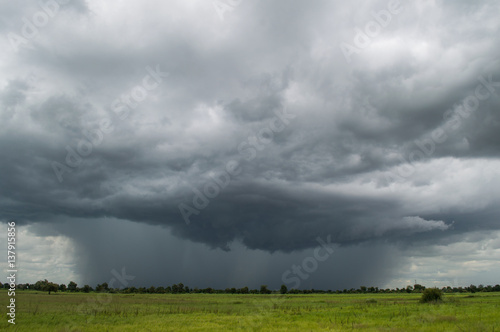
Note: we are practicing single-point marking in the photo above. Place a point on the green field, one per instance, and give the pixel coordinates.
(38, 311)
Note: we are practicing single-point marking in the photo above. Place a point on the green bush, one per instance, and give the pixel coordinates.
(431, 295)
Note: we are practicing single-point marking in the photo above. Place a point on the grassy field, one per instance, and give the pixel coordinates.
(38, 311)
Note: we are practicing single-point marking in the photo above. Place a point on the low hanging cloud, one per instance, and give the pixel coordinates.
(250, 126)
(415, 224)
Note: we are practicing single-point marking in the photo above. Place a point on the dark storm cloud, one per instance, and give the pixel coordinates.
(331, 169)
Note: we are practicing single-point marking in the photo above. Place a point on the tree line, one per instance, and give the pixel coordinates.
(180, 288)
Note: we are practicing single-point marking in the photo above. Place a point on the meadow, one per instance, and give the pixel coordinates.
(66, 311)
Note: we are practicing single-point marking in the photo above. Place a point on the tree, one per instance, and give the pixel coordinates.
(179, 288)
(86, 289)
(102, 287)
(40, 284)
(264, 290)
(50, 287)
(72, 286)
(283, 289)
(432, 295)
(472, 288)
(418, 288)
(131, 289)
(62, 287)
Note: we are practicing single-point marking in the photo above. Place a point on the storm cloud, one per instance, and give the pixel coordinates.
(248, 130)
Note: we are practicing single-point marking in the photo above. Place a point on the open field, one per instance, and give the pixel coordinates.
(38, 311)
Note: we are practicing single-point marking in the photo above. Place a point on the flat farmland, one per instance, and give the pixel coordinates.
(66, 311)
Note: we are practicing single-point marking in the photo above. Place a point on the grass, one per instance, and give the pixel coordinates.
(38, 311)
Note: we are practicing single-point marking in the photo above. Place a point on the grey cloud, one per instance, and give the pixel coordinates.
(325, 172)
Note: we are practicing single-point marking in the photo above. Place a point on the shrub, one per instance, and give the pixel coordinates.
(431, 295)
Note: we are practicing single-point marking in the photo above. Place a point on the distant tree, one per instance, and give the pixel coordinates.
(47, 286)
(179, 288)
(418, 288)
(264, 290)
(62, 287)
(40, 284)
(102, 287)
(283, 289)
(409, 289)
(50, 287)
(244, 290)
(86, 289)
(131, 289)
(431, 295)
(72, 286)
(362, 289)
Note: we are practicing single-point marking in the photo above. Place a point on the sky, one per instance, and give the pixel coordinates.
(230, 143)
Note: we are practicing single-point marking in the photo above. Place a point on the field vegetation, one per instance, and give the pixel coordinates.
(99, 311)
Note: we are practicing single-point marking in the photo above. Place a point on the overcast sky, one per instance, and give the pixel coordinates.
(222, 143)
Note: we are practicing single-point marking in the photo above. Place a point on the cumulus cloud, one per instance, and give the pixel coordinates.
(415, 224)
(254, 125)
